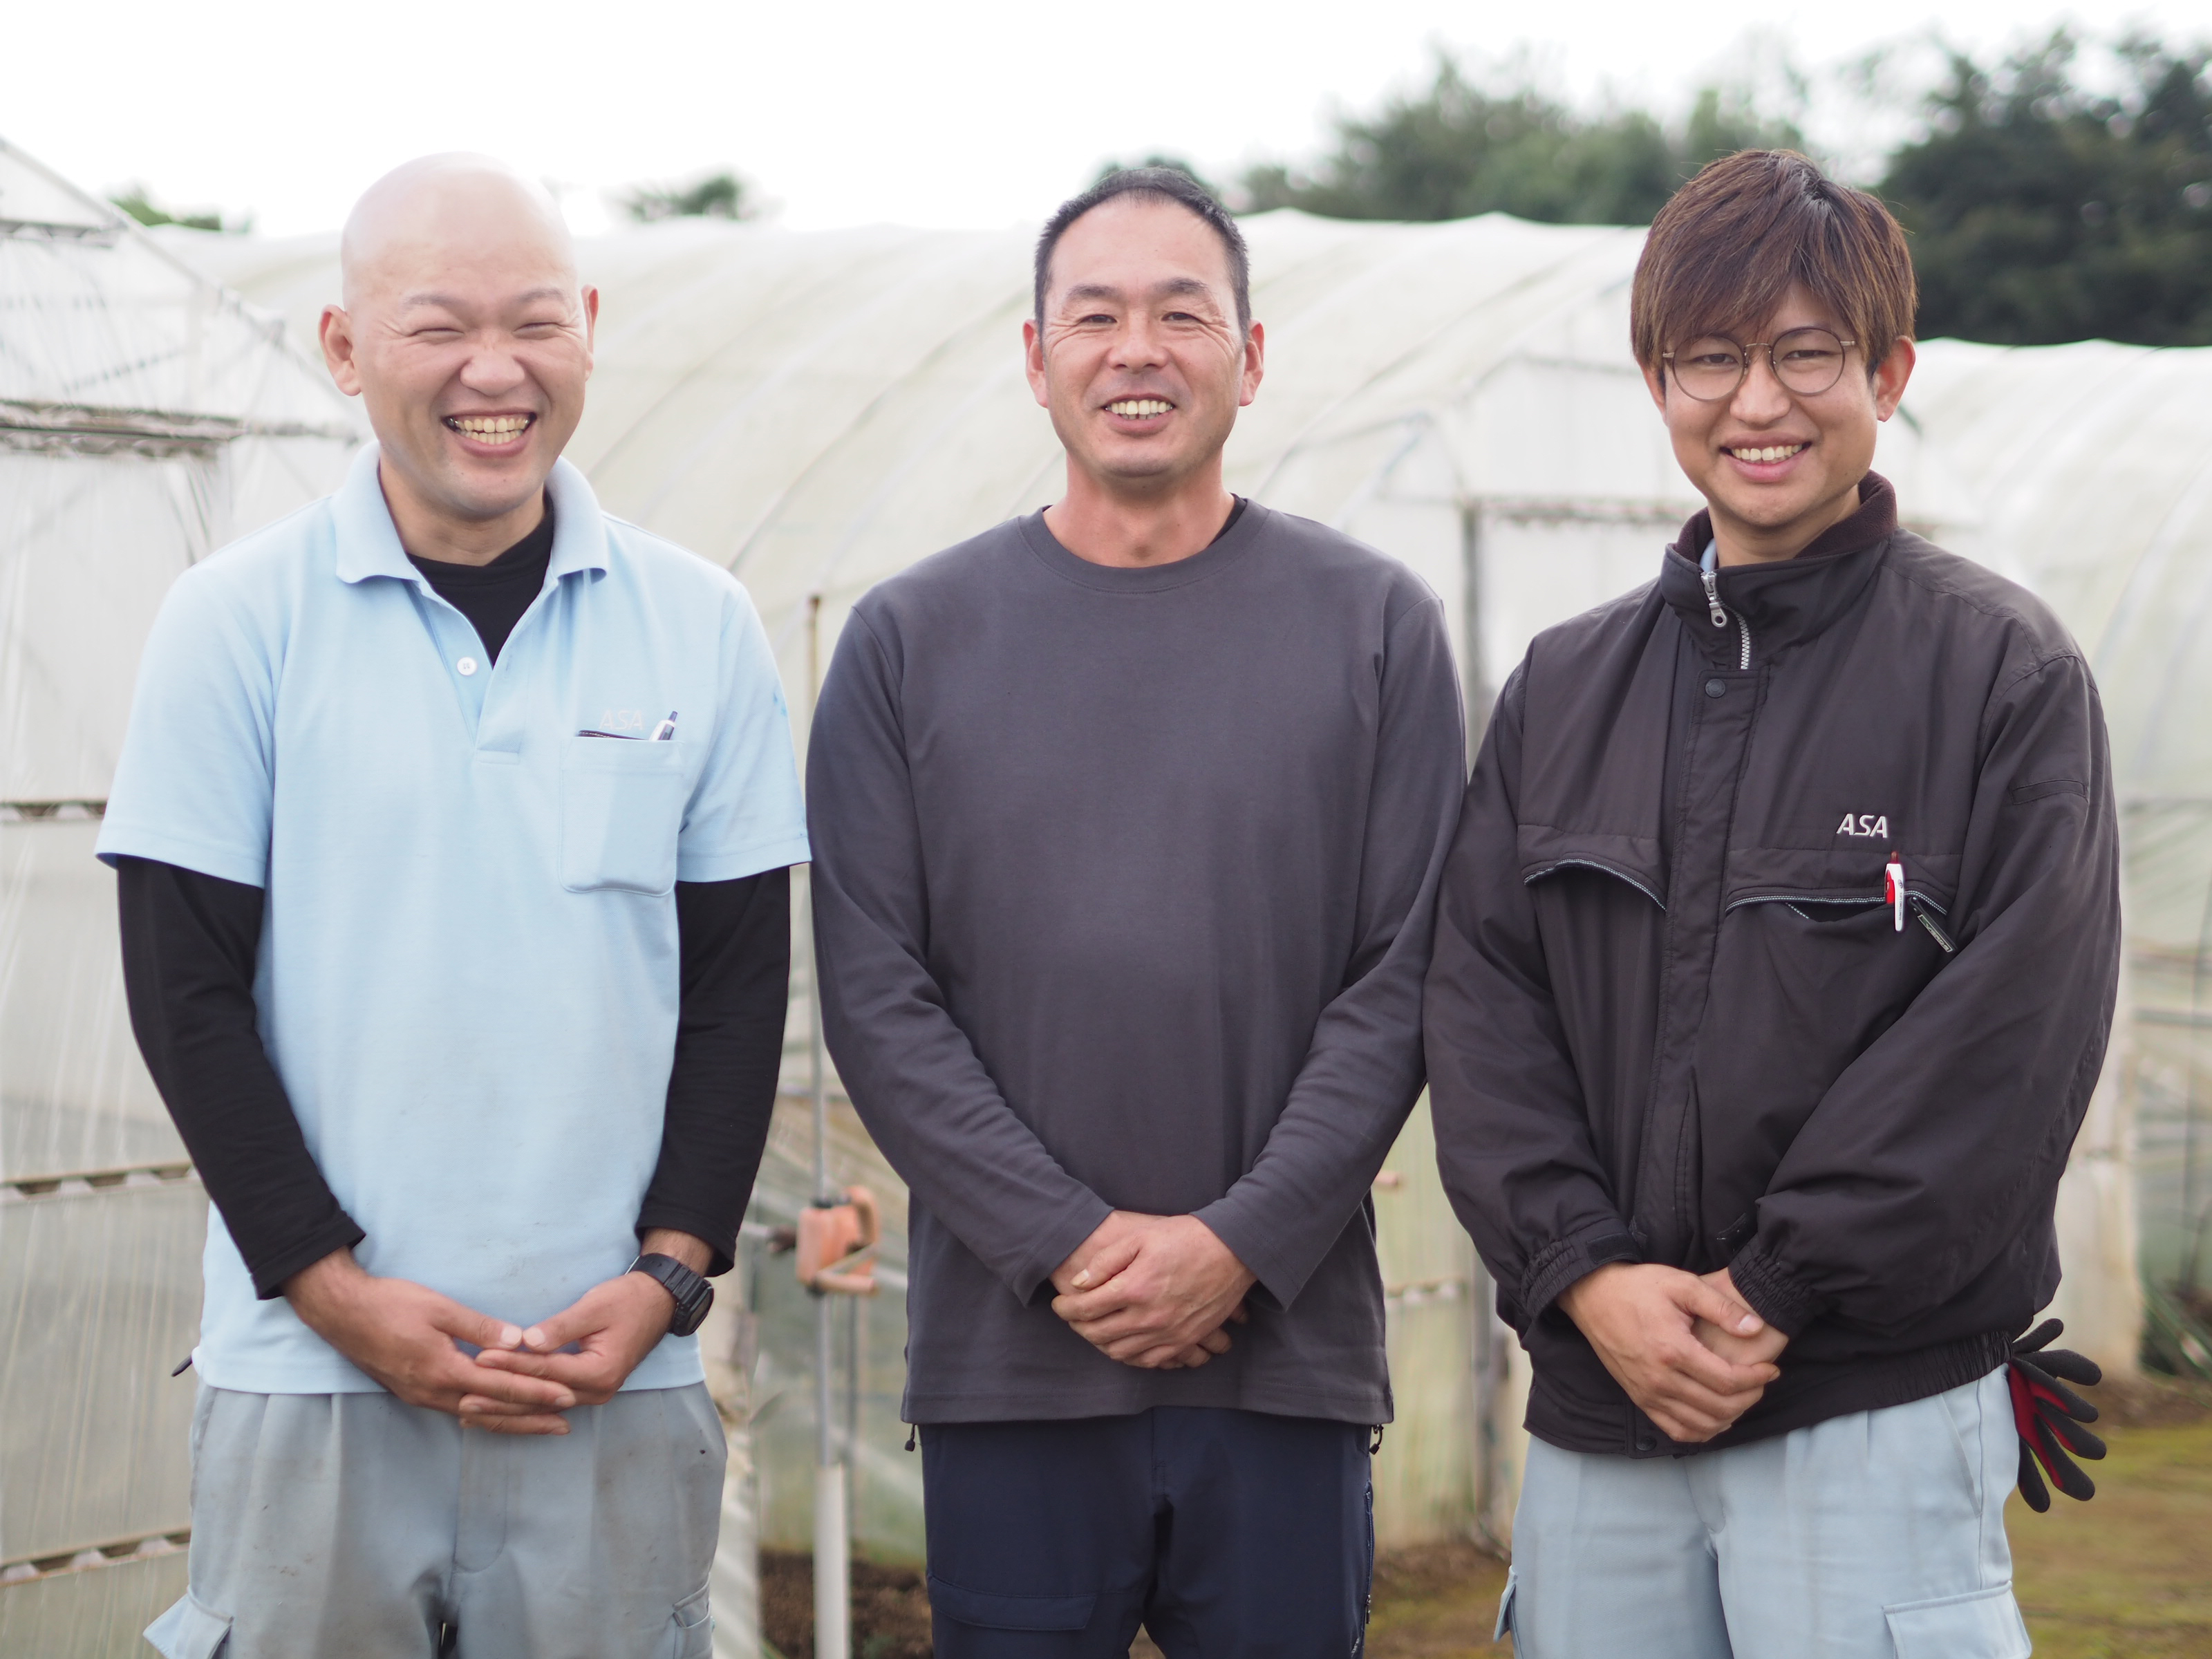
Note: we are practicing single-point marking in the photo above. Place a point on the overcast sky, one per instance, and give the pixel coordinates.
(965, 112)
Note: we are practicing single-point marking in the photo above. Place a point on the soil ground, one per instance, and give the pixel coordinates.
(2126, 1576)
(890, 1608)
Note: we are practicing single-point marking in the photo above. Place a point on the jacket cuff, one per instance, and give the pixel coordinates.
(1776, 1295)
(1564, 1262)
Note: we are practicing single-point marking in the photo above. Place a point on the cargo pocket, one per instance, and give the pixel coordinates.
(691, 1628)
(189, 1630)
(1505, 1607)
(621, 805)
(968, 1606)
(1982, 1624)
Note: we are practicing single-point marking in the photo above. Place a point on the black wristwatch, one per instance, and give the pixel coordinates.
(693, 1294)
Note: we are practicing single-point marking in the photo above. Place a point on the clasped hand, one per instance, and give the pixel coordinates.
(408, 1337)
(1156, 1291)
(1686, 1349)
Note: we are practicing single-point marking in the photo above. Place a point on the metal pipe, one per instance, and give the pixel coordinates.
(817, 1093)
(852, 1428)
(2192, 1228)
(833, 1568)
(816, 1090)
(1474, 672)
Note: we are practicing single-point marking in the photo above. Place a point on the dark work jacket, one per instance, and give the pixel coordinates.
(1671, 1019)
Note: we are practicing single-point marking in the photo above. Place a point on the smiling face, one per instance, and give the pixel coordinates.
(1776, 466)
(1141, 359)
(465, 332)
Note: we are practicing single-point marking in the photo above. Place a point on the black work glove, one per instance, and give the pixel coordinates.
(2049, 1416)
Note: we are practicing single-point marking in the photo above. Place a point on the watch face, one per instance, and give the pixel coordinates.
(691, 1310)
(693, 1294)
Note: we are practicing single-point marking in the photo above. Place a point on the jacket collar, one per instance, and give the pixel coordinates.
(1788, 602)
(368, 543)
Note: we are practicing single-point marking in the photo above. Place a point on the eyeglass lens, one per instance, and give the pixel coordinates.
(1807, 361)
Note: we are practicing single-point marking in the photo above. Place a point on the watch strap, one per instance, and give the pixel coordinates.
(693, 1294)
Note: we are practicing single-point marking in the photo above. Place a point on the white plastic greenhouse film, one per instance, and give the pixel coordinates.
(146, 417)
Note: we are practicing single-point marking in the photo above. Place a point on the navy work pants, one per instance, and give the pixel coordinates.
(1226, 1533)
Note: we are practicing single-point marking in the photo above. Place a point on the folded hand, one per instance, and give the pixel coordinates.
(407, 1338)
(1153, 1291)
(1643, 1319)
(611, 1328)
(1763, 1346)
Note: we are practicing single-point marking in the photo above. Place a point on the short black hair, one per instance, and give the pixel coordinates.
(1153, 184)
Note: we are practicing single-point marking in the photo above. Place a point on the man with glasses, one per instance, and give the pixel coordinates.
(1774, 964)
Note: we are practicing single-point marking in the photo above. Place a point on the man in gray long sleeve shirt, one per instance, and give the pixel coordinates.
(1127, 822)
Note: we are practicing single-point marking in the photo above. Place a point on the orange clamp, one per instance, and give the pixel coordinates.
(837, 1245)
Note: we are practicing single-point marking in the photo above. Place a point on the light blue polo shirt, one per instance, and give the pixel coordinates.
(468, 974)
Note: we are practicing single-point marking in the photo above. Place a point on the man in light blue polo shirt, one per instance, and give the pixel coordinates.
(447, 803)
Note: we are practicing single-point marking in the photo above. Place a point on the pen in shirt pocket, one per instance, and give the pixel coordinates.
(664, 732)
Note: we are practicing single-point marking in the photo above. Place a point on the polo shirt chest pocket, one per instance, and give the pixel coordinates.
(622, 808)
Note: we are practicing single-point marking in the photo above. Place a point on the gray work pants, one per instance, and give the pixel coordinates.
(351, 1526)
(1880, 1535)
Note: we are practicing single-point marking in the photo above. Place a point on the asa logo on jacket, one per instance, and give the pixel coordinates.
(1867, 826)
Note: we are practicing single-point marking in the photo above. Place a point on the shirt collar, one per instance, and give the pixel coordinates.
(1873, 520)
(1789, 600)
(368, 543)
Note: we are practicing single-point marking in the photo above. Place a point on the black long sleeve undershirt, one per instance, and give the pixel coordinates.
(190, 942)
(734, 942)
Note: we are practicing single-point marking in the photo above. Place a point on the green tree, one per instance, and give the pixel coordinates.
(135, 200)
(1455, 149)
(2041, 211)
(717, 196)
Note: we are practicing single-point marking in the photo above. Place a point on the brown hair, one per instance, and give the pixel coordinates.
(1723, 251)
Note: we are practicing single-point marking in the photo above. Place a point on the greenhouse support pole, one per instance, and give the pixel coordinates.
(1474, 672)
(1482, 1357)
(832, 1566)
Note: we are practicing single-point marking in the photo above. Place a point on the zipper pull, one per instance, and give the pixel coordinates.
(1935, 928)
(1892, 888)
(1710, 566)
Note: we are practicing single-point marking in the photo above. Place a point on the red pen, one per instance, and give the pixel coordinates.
(1892, 889)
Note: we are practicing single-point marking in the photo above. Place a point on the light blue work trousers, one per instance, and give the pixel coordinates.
(1876, 1535)
(353, 1526)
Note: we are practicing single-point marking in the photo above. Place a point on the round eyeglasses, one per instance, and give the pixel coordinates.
(1806, 361)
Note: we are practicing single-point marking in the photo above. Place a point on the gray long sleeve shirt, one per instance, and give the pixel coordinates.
(1123, 886)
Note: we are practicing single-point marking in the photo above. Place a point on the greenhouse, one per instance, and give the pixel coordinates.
(147, 418)
(815, 411)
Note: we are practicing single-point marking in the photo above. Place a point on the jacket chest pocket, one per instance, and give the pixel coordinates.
(1847, 896)
(1810, 967)
(622, 807)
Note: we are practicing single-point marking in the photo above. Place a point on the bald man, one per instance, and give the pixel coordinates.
(452, 832)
